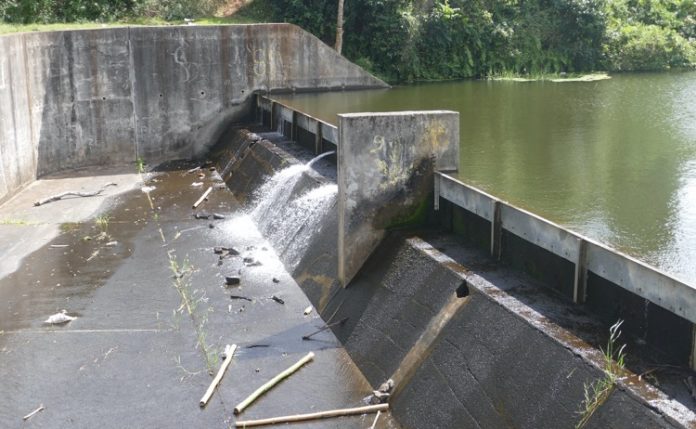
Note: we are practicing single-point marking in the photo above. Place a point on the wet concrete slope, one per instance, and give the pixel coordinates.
(153, 315)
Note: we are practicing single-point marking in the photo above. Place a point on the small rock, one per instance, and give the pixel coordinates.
(232, 280)
(257, 370)
(275, 280)
(201, 175)
(211, 226)
(201, 215)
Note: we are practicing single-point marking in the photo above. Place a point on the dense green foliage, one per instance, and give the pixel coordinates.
(52, 11)
(404, 40)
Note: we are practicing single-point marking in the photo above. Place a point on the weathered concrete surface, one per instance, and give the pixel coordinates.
(135, 357)
(24, 228)
(385, 173)
(96, 97)
(17, 154)
(510, 356)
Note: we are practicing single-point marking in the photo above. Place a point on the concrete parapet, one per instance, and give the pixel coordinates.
(385, 173)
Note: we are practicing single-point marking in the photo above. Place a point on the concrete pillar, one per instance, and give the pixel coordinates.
(385, 173)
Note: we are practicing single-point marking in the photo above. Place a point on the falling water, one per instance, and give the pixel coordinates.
(288, 214)
(276, 191)
(293, 227)
(317, 158)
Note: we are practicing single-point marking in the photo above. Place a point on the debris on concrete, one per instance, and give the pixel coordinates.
(111, 244)
(218, 216)
(196, 184)
(201, 215)
(271, 383)
(147, 189)
(74, 194)
(251, 262)
(278, 300)
(225, 251)
(313, 416)
(232, 280)
(59, 246)
(340, 322)
(193, 170)
(241, 297)
(691, 385)
(276, 280)
(308, 310)
(382, 394)
(59, 318)
(203, 197)
(374, 423)
(253, 346)
(33, 413)
(211, 226)
(229, 352)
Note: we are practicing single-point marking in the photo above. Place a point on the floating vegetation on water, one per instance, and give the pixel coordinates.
(550, 77)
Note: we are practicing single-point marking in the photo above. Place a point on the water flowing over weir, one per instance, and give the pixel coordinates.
(289, 213)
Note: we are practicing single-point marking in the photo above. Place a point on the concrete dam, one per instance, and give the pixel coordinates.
(157, 204)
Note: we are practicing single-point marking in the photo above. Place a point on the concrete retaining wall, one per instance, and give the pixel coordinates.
(386, 163)
(93, 97)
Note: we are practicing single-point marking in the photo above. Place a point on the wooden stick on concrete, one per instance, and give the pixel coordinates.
(275, 380)
(33, 413)
(374, 423)
(229, 352)
(73, 193)
(203, 197)
(313, 416)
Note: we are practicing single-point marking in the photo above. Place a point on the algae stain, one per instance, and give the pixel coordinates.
(324, 282)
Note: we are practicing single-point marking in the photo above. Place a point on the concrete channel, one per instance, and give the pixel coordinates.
(482, 315)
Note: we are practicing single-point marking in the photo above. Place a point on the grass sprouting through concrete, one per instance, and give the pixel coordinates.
(599, 391)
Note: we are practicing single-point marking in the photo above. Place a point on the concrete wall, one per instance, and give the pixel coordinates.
(94, 97)
(386, 163)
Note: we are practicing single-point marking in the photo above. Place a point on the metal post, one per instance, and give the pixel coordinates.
(318, 141)
(496, 231)
(580, 282)
(692, 360)
(436, 203)
(293, 127)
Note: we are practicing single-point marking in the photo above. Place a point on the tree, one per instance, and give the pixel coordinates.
(339, 27)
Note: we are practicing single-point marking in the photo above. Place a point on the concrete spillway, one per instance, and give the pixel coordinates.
(469, 340)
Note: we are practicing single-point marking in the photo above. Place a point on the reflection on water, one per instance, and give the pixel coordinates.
(614, 159)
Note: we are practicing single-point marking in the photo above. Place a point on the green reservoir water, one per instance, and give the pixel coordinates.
(614, 160)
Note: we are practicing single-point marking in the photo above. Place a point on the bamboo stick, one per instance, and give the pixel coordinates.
(374, 423)
(313, 416)
(229, 352)
(203, 197)
(269, 385)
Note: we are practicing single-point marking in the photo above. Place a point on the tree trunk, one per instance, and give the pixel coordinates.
(339, 27)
